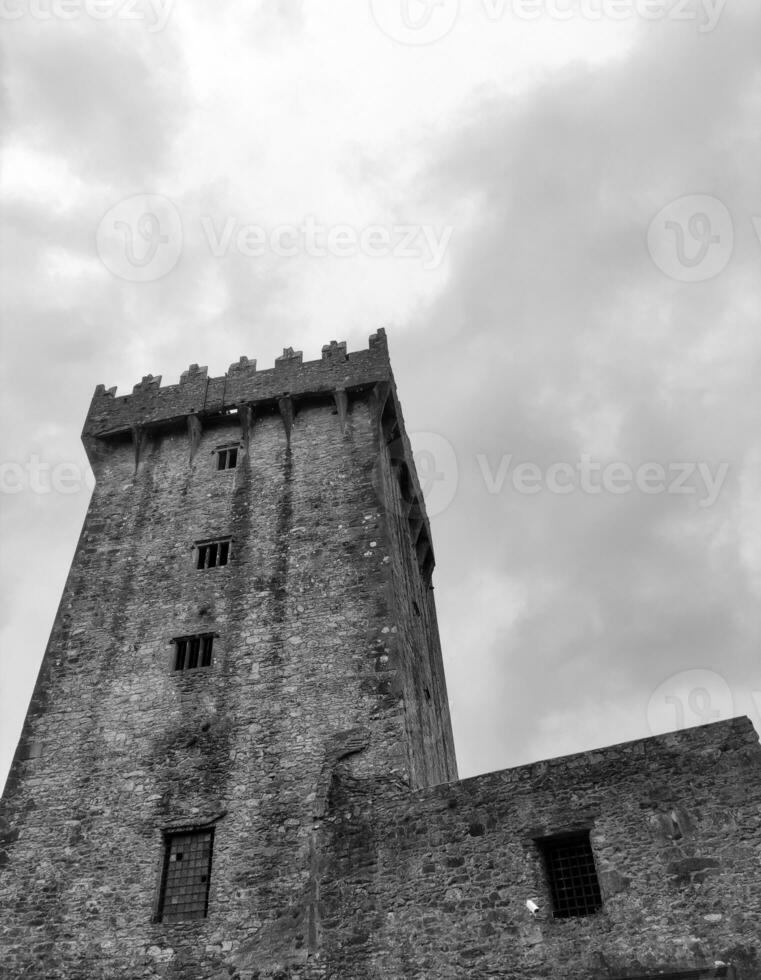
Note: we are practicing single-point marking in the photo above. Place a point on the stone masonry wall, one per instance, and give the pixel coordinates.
(308, 680)
(433, 884)
(416, 642)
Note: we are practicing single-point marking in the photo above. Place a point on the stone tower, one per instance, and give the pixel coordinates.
(249, 613)
(238, 762)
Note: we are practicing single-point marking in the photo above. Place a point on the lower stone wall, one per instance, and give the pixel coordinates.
(434, 884)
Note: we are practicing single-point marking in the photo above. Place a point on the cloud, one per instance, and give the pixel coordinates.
(557, 336)
(548, 332)
(86, 93)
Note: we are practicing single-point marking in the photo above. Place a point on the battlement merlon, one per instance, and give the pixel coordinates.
(338, 376)
(152, 406)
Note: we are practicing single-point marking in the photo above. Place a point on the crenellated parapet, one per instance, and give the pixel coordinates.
(245, 392)
(152, 405)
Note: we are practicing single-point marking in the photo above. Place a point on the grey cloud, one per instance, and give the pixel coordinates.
(555, 318)
(554, 334)
(88, 93)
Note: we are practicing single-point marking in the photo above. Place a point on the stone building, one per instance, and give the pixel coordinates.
(238, 759)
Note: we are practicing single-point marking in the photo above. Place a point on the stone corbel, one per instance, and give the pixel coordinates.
(139, 442)
(195, 431)
(246, 419)
(380, 395)
(342, 404)
(286, 408)
(383, 412)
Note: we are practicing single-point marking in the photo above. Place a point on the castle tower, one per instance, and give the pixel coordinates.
(238, 764)
(248, 613)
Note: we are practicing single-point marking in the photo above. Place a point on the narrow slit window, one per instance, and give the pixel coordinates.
(193, 651)
(224, 552)
(212, 554)
(572, 875)
(186, 876)
(227, 459)
(206, 645)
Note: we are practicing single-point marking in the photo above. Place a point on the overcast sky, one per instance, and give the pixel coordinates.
(553, 206)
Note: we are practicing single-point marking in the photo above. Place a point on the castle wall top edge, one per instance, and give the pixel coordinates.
(709, 739)
(197, 393)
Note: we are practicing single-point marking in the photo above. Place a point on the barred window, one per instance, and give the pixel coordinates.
(227, 458)
(193, 651)
(212, 554)
(186, 876)
(572, 875)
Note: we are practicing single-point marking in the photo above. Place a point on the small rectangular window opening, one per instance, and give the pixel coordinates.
(572, 875)
(212, 554)
(227, 459)
(193, 651)
(185, 879)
